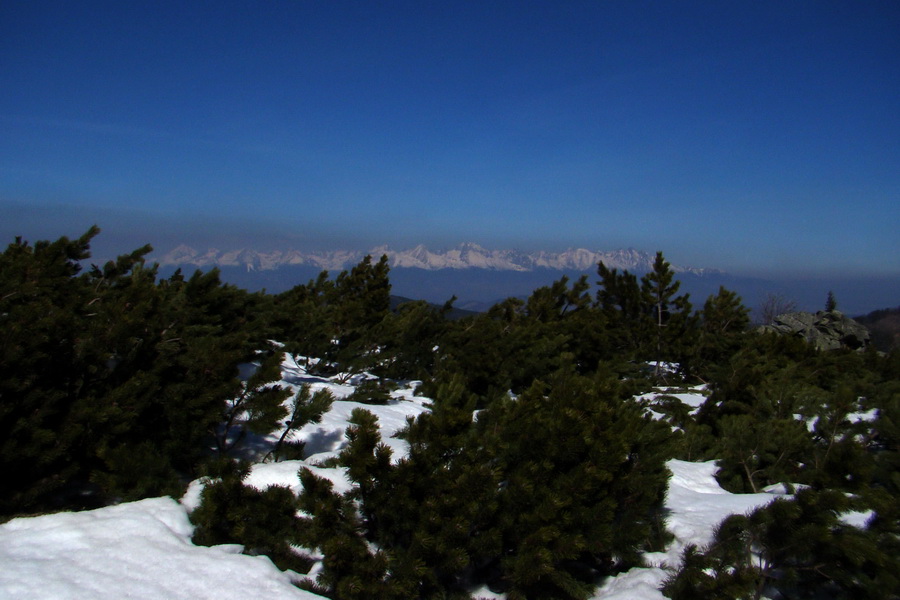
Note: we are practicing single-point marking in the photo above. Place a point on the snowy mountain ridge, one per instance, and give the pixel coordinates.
(464, 256)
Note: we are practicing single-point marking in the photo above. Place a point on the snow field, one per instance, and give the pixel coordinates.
(139, 550)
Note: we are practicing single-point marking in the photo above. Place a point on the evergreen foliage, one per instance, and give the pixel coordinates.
(516, 342)
(351, 570)
(619, 300)
(670, 328)
(362, 302)
(305, 408)
(541, 496)
(409, 338)
(646, 320)
(257, 407)
(797, 548)
(337, 321)
(723, 325)
(263, 522)
(372, 391)
(583, 476)
(300, 316)
(112, 384)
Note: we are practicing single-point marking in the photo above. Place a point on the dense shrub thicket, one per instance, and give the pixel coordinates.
(115, 384)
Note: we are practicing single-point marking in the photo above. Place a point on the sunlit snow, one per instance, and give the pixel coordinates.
(140, 550)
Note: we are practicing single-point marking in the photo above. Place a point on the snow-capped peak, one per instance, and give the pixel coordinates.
(468, 255)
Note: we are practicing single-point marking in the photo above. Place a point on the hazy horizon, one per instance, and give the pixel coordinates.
(122, 232)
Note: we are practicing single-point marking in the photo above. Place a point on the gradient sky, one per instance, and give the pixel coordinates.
(750, 136)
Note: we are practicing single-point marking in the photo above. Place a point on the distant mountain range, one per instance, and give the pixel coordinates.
(479, 277)
(464, 256)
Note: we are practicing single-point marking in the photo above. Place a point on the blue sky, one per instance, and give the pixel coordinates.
(750, 136)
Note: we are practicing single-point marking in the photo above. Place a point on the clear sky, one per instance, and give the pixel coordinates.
(750, 136)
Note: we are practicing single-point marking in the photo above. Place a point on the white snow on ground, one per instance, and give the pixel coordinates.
(857, 518)
(286, 474)
(695, 505)
(855, 417)
(326, 438)
(142, 550)
(693, 398)
(636, 584)
(863, 417)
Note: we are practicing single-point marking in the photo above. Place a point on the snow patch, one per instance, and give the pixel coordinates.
(140, 550)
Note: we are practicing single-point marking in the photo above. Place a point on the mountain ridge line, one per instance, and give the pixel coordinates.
(464, 256)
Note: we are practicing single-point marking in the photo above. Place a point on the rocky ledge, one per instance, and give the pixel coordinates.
(826, 330)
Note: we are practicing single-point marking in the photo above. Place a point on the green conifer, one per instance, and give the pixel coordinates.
(583, 474)
(262, 521)
(724, 322)
(305, 408)
(351, 569)
(258, 405)
(619, 300)
(671, 325)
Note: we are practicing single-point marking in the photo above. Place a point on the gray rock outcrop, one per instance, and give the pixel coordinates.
(826, 330)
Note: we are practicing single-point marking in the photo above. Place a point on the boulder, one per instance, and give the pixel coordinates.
(826, 330)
